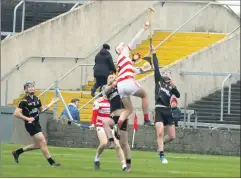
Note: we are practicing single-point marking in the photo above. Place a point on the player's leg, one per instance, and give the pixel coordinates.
(141, 93)
(138, 91)
(171, 133)
(126, 112)
(32, 129)
(40, 140)
(125, 145)
(170, 125)
(159, 123)
(16, 153)
(103, 142)
(107, 125)
(120, 154)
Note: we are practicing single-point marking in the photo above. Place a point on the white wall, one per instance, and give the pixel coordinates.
(214, 18)
(221, 57)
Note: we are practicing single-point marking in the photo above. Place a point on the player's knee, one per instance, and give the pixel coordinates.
(160, 134)
(124, 145)
(43, 143)
(117, 146)
(129, 110)
(172, 136)
(104, 143)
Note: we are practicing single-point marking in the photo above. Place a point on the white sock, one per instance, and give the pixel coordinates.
(97, 158)
(123, 163)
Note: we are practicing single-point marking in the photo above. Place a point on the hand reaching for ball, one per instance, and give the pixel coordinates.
(146, 25)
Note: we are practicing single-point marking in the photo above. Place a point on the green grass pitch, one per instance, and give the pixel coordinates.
(78, 162)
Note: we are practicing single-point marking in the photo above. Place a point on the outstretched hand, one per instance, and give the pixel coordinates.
(152, 49)
(146, 25)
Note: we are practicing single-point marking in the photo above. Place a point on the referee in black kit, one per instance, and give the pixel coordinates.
(27, 110)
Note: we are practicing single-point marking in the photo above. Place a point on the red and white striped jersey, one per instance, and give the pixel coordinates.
(101, 111)
(125, 65)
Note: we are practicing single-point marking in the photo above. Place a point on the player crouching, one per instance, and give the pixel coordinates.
(101, 112)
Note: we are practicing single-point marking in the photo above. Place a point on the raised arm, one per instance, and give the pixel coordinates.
(134, 41)
(157, 73)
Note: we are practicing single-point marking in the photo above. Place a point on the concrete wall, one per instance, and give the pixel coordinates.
(221, 57)
(76, 39)
(12, 130)
(51, 39)
(214, 18)
(202, 141)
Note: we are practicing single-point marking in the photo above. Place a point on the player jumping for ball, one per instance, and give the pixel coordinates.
(126, 83)
(164, 90)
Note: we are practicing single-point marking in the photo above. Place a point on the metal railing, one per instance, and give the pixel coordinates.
(222, 96)
(15, 15)
(166, 39)
(23, 10)
(234, 30)
(17, 67)
(228, 75)
(64, 76)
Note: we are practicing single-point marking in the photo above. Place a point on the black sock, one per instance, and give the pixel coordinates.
(161, 154)
(51, 161)
(19, 151)
(128, 161)
(111, 140)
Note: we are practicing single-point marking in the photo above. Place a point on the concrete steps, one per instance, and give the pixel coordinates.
(208, 109)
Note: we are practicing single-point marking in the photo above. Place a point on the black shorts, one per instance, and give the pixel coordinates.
(124, 125)
(33, 128)
(164, 115)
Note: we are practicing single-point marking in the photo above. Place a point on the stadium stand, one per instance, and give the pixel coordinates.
(209, 107)
(175, 49)
(35, 13)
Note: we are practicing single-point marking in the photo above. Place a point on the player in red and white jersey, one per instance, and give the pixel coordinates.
(126, 83)
(101, 111)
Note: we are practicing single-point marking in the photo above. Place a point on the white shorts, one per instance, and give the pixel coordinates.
(100, 129)
(127, 87)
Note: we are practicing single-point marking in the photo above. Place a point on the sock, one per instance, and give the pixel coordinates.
(51, 161)
(128, 161)
(19, 151)
(123, 163)
(97, 158)
(161, 154)
(111, 139)
(120, 123)
(146, 117)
